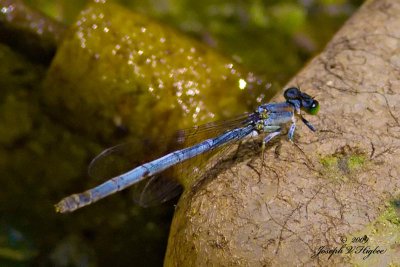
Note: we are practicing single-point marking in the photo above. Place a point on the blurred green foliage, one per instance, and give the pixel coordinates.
(127, 65)
(270, 37)
(41, 161)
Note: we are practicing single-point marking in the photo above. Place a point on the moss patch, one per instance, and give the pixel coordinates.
(343, 164)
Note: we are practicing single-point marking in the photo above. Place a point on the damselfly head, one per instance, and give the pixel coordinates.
(305, 101)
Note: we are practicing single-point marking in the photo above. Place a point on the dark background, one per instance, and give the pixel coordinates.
(273, 38)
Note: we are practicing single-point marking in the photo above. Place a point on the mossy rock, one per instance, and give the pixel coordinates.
(118, 71)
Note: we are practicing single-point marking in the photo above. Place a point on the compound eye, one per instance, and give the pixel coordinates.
(304, 95)
(307, 102)
(292, 93)
(312, 107)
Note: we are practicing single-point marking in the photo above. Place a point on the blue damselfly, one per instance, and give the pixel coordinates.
(266, 119)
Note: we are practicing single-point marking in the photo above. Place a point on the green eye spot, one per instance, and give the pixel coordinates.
(313, 110)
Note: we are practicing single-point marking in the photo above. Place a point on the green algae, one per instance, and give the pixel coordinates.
(131, 72)
(134, 76)
(329, 162)
(343, 164)
(392, 214)
(355, 162)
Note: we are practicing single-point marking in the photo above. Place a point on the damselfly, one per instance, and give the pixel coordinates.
(266, 119)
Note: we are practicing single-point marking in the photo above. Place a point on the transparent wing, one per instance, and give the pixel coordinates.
(155, 190)
(164, 186)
